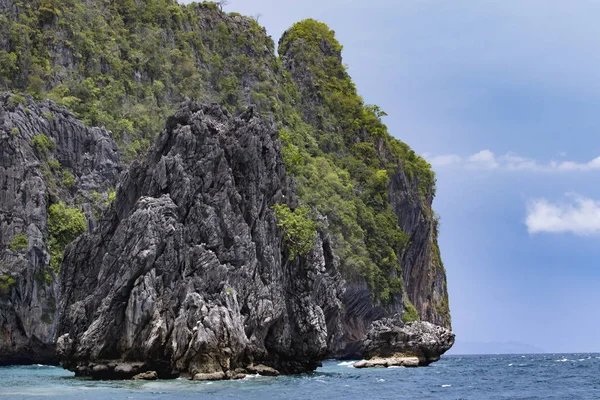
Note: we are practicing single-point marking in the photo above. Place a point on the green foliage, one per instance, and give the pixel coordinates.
(68, 180)
(410, 314)
(54, 164)
(19, 242)
(312, 33)
(16, 99)
(299, 230)
(442, 307)
(44, 276)
(343, 158)
(6, 281)
(64, 225)
(134, 61)
(14, 131)
(112, 195)
(43, 144)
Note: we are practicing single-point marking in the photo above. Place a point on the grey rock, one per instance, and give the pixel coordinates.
(262, 370)
(409, 362)
(212, 376)
(391, 338)
(101, 368)
(187, 270)
(27, 188)
(146, 376)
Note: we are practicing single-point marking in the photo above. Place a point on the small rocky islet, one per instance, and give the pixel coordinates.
(250, 238)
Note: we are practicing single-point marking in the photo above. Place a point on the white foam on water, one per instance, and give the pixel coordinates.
(510, 365)
(347, 364)
(248, 377)
(563, 360)
(446, 385)
(380, 380)
(396, 366)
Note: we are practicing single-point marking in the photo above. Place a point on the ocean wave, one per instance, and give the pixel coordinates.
(347, 364)
(446, 385)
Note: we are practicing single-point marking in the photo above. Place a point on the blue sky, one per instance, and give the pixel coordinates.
(502, 97)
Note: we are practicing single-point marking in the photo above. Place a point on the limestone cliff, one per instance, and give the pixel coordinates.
(47, 156)
(343, 125)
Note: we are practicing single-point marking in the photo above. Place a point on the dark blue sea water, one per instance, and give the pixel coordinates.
(545, 376)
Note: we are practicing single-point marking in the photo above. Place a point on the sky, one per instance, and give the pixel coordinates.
(503, 99)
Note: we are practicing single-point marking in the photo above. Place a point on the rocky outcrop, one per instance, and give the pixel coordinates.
(32, 177)
(391, 342)
(188, 274)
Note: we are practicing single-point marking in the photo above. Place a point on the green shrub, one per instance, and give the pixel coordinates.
(64, 225)
(14, 131)
(19, 242)
(44, 276)
(43, 144)
(410, 314)
(68, 180)
(54, 164)
(112, 195)
(6, 281)
(16, 99)
(299, 230)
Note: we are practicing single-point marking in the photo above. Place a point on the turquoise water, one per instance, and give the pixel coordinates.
(545, 376)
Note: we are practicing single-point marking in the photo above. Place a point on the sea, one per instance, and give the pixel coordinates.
(487, 377)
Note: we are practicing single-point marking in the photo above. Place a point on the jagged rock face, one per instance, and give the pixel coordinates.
(188, 273)
(28, 289)
(423, 272)
(389, 338)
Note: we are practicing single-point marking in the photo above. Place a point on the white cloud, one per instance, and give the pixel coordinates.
(486, 159)
(580, 216)
(483, 159)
